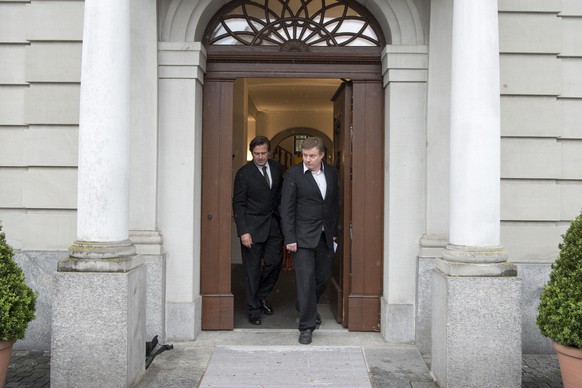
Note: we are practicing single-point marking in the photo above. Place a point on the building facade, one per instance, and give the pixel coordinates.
(112, 123)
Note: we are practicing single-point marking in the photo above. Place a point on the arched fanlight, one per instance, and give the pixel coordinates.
(294, 25)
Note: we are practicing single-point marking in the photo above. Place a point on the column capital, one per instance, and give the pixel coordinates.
(181, 60)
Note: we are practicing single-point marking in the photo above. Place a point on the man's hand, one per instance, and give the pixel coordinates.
(246, 240)
(292, 247)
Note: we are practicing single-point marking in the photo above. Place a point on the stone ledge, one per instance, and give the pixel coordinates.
(476, 269)
(474, 254)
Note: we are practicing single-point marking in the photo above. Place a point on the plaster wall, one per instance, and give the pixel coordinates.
(40, 62)
(541, 133)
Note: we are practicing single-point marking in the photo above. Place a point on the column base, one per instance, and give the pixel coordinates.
(476, 330)
(90, 256)
(475, 261)
(396, 322)
(98, 328)
(101, 250)
(184, 320)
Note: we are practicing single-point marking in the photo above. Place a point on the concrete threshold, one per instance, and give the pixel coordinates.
(274, 358)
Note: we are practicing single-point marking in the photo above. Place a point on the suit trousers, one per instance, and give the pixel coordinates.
(261, 267)
(313, 271)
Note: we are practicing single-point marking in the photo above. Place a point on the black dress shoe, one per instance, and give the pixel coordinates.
(317, 318)
(266, 307)
(305, 337)
(255, 319)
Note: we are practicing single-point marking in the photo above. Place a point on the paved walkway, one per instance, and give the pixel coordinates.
(368, 362)
(287, 366)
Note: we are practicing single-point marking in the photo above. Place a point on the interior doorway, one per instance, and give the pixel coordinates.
(285, 110)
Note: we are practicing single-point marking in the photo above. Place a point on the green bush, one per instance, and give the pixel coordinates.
(17, 300)
(560, 310)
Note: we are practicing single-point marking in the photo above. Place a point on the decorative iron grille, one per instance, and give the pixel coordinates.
(295, 25)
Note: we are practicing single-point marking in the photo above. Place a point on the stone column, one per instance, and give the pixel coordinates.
(99, 304)
(476, 321)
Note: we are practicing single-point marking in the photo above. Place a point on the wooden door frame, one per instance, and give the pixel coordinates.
(223, 67)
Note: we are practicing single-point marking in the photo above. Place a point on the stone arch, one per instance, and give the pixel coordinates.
(186, 20)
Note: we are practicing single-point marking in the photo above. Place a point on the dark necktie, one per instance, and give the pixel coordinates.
(266, 176)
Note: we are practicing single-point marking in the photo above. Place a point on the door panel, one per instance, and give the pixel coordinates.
(215, 250)
(340, 280)
(367, 206)
(358, 142)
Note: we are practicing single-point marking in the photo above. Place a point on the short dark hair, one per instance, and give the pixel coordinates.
(259, 140)
(313, 142)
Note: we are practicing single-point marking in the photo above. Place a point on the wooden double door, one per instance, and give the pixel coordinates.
(356, 285)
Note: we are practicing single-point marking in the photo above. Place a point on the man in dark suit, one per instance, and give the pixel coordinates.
(255, 202)
(309, 214)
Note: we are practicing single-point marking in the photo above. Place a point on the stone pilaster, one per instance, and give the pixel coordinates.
(405, 73)
(181, 68)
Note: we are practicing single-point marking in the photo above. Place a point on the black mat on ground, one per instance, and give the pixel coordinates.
(282, 298)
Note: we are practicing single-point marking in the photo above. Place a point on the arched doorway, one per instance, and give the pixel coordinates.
(339, 40)
(289, 132)
(286, 144)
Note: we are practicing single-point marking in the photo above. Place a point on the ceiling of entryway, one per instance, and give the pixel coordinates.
(292, 94)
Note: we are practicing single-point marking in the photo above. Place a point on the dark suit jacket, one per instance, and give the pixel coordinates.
(304, 211)
(253, 203)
